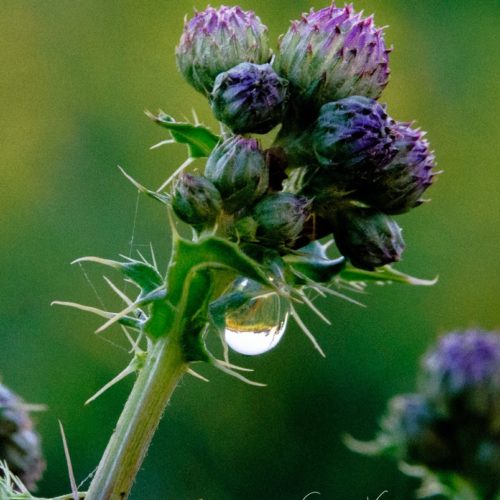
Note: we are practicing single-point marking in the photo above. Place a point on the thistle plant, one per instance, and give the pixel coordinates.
(448, 433)
(269, 229)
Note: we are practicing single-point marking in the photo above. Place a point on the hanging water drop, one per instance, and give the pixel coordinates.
(258, 325)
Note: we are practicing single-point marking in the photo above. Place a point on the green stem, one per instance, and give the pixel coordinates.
(128, 445)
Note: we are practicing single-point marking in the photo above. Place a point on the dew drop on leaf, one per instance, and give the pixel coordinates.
(258, 325)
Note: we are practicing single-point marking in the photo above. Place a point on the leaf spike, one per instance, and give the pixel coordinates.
(99, 260)
(313, 308)
(116, 317)
(175, 174)
(81, 307)
(306, 330)
(234, 374)
(197, 375)
(124, 373)
(74, 488)
(118, 291)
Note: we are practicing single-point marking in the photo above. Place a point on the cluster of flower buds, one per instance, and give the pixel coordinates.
(452, 425)
(344, 162)
(19, 443)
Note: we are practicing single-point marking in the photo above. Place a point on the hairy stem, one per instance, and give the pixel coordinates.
(143, 410)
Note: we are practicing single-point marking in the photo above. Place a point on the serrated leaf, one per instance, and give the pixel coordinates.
(199, 140)
(383, 274)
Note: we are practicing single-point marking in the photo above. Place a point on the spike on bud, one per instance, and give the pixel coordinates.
(238, 169)
(249, 98)
(215, 40)
(196, 201)
(368, 238)
(322, 74)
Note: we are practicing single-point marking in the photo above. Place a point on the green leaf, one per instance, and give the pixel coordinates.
(144, 275)
(383, 274)
(199, 140)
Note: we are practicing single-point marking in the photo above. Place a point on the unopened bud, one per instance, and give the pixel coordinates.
(238, 169)
(196, 201)
(333, 53)
(280, 219)
(400, 184)
(368, 238)
(249, 98)
(216, 40)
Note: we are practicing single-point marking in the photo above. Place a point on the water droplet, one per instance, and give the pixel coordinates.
(258, 325)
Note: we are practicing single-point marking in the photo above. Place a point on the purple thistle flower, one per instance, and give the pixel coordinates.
(249, 98)
(353, 138)
(334, 53)
(399, 185)
(216, 40)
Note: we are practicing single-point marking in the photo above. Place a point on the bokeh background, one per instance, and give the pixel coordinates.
(75, 78)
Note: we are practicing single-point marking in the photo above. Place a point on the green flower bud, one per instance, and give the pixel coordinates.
(249, 98)
(216, 40)
(368, 238)
(19, 443)
(238, 169)
(280, 219)
(196, 201)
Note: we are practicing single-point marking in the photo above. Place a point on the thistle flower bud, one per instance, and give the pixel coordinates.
(334, 53)
(19, 443)
(462, 375)
(401, 182)
(238, 169)
(280, 219)
(353, 137)
(367, 237)
(249, 98)
(216, 40)
(196, 201)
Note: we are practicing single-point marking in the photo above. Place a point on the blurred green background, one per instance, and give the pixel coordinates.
(75, 79)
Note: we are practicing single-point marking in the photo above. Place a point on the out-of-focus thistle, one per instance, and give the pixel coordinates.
(196, 201)
(450, 431)
(249, 98)
(215, 40)
(333, 53)
(19, 443)
(462, 376)
(238, 169)
(367, 237)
